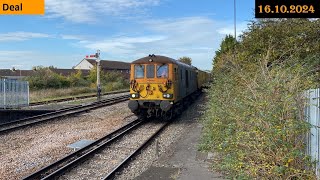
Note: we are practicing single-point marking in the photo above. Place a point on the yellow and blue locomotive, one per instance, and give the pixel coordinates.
(161, 86)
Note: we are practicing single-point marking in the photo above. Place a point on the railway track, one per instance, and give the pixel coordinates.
(104, 158)
(22, 123)
(74, 98)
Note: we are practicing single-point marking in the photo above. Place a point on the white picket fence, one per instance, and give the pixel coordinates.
(13, 93)
(312, 114)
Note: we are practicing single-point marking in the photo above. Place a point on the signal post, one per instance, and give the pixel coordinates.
(97, 56)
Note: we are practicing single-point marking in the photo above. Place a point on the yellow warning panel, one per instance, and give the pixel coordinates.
(22, 7)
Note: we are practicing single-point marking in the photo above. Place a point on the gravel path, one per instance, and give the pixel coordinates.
(25, 151)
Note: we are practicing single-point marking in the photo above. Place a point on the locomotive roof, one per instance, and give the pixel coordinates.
(159, 59)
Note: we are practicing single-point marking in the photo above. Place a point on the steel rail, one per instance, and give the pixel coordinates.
(14, 125)
(74, 98)
(61, 111)
(129, 158)
(66, 163)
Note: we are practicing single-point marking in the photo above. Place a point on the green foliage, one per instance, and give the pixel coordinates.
(255, 119)
(186, 60)
(256, 123)
(44, 78)
(226, 46)
(78, 80)
(279, 40)
(110, 80)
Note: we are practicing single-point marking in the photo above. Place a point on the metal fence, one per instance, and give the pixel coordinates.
(13, 93)
(312, 112)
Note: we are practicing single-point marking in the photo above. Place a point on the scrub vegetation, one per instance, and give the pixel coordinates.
(45, 84)
(255, 118)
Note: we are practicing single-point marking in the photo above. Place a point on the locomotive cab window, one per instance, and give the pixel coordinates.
(162, 71)
(150, 71)
(139, 71)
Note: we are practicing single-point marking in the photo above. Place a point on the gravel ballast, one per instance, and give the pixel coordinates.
(27, 150)
(107, 159)
(163, 144)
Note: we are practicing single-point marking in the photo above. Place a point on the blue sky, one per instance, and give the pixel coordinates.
(122, 29)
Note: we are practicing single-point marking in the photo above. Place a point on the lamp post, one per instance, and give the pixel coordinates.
(98, 76)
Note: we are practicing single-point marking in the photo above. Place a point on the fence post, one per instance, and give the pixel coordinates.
(4, 93)
(312, 113)
(28, 93)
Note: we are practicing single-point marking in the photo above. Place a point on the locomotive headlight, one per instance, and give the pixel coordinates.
(134, 96)
(167, 96)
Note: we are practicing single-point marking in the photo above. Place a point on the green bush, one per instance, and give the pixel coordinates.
(255, 118)
(44, 78)
(257, 124)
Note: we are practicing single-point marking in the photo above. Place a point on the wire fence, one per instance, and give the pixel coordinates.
(13, 93)
(312, 114)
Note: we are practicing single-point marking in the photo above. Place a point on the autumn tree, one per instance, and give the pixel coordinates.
(186, 60)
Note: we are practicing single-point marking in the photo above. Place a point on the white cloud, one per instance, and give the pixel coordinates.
(27, 59)
(72, 37)
(230, 29)
(81, 11)
(21, 36)
(196, 37)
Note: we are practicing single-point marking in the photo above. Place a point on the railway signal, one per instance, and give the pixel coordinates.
(97, 55)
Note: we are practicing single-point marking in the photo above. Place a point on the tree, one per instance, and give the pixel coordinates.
(186, 60)
(226, 48)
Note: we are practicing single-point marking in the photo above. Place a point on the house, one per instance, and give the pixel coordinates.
(106, 65)
(15, 74)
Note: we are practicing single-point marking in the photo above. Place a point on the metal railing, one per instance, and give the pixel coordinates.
(312, 114)
(13, 93)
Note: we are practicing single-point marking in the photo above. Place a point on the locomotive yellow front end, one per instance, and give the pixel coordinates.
(152, 86)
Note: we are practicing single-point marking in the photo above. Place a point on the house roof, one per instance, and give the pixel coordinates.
(9, 72)
(63, 72)
(107, 64)
(68, 72)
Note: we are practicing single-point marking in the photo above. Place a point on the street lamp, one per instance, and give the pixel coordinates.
(98, 76)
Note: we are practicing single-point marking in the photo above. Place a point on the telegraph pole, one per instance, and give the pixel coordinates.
(235, 29)
(98, 76)
(235, 19)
